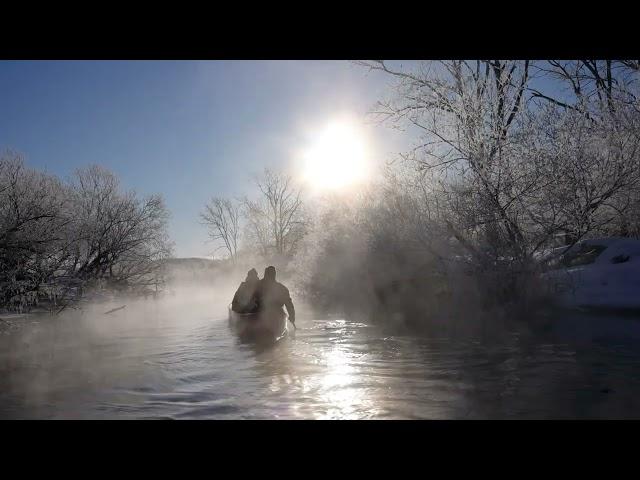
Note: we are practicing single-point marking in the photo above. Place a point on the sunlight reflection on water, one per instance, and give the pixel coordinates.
(162, 361)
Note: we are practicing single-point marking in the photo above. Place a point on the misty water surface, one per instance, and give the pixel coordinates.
(177, 358)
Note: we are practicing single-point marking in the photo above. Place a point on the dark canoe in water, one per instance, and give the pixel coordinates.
(261, 326)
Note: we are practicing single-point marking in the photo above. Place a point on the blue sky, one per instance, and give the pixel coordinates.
(188, 130)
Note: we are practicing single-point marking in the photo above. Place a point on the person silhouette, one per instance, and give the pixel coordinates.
(272, 295)
(245, 299)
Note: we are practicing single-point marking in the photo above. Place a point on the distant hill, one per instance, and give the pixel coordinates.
(193, 262)
(193, 269)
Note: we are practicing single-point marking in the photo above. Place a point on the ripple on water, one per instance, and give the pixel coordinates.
(178, 367)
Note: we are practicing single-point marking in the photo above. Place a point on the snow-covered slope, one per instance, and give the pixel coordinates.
(602, 272)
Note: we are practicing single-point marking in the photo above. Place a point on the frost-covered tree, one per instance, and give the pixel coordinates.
(503, 165)
(596, 124)
(33, 225)
(119, 237)
(467, 114)
(57, 236)
(275, 219)
(504, 158)
(222, 218)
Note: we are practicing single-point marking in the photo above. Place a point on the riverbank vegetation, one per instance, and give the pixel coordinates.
(63, 239)
(511, 158)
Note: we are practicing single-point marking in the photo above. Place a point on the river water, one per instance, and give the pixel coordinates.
(177, 358)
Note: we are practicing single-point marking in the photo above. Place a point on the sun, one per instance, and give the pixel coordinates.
(337, 158)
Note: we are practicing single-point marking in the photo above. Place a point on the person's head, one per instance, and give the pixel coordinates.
(252, 275)
(270, 274)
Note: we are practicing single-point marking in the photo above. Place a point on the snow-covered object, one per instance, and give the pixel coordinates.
(600, 272)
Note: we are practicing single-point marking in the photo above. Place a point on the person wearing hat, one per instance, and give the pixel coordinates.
(272, 295)
(245, 300)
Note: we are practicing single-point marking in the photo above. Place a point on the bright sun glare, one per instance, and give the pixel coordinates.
(337, 159)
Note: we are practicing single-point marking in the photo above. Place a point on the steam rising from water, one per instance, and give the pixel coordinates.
(175, 357)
